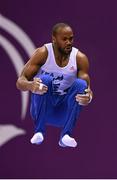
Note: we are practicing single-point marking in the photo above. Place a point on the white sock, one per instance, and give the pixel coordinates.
(68, 141)
(37, 138)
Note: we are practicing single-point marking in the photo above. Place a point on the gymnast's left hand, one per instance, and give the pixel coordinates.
(84, 99)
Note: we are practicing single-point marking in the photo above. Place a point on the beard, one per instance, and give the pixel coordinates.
(65, 51)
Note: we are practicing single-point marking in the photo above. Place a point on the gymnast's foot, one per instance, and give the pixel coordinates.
(37, 138)
(67, 141)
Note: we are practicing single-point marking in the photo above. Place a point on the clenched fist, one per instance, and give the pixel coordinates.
(38, 87)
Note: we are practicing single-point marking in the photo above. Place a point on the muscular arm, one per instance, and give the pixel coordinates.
(83, 67)
(83, 73)
(25, 81)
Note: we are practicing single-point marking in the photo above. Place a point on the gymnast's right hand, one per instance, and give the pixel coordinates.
(37, 87)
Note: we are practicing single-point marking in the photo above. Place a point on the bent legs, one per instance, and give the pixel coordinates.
(42, 105)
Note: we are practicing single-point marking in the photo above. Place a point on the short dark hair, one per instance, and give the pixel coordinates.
(57, 26)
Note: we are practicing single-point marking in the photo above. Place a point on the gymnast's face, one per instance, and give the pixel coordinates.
(63, 40)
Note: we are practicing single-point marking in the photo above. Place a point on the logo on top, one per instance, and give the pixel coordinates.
(72, 68)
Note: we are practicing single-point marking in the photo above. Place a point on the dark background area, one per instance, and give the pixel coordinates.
(94, 25)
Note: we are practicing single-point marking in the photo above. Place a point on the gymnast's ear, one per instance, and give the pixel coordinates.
(53, 39)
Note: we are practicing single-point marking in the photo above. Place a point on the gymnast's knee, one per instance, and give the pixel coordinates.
(46, 79)
(80, 85)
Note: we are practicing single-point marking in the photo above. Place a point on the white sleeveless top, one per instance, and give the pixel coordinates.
(63, 77)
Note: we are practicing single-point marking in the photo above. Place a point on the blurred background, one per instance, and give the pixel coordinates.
(26, 25)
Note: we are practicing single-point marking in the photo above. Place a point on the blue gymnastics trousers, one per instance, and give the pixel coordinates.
(57, 110)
